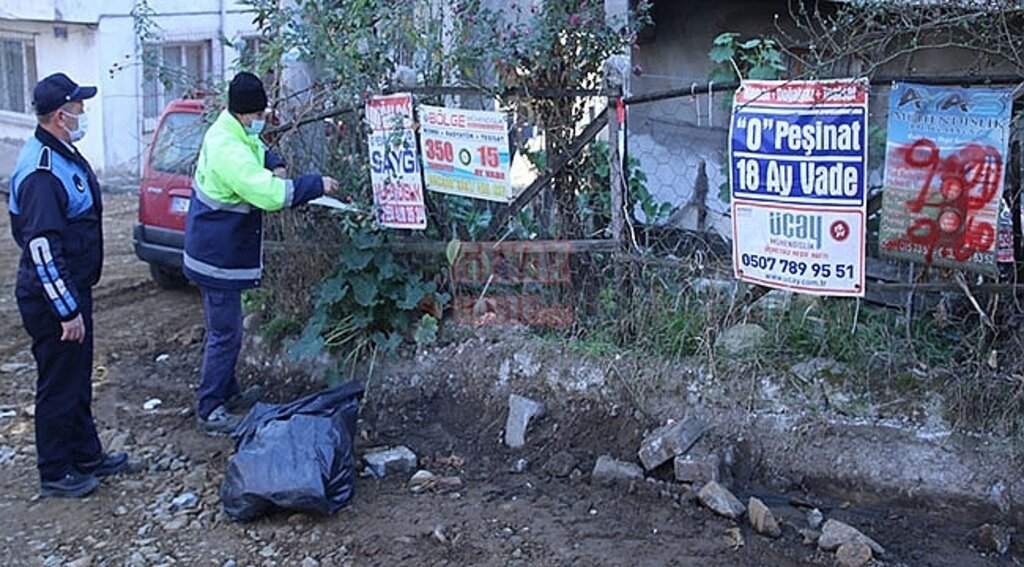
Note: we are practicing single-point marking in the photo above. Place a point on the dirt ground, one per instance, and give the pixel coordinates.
(148, 344)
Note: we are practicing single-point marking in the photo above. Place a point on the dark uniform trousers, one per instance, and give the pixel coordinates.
(217, 382)
(65, 431)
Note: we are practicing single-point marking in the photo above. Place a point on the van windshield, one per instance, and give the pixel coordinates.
(177, 143)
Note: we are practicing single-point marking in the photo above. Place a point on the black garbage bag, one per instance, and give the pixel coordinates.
(297, 456)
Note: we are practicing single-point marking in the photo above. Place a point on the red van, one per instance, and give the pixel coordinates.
(165, 189)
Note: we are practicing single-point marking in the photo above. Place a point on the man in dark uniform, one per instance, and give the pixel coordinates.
(56, 220)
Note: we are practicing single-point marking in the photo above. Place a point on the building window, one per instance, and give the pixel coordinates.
(172, 71)
(249, 52)
(17, 73)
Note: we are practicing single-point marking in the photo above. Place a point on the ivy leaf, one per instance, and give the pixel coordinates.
(387, 268)
(355, 259)
(366, 240)
(388, 342)
(332, 290)
(362, 319)
(411, 295)
(310, 344)
(750, 43)
(726, 38)
(762, 72)
(721, 53)
(426, 331)
(364, 289)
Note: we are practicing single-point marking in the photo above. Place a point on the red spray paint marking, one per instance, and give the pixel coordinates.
(968, 181)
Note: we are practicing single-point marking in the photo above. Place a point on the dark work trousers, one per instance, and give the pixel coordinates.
(223, 314)
(65, 431)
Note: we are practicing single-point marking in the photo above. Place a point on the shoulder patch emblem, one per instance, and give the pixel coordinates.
(44, 159)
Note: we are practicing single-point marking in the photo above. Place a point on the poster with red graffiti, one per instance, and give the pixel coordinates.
(944, 171)
(798, 154)
(394, 163)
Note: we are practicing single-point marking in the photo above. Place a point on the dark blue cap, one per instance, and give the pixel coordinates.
(57, 89)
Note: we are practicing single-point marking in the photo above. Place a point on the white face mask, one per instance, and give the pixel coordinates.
(83, 126)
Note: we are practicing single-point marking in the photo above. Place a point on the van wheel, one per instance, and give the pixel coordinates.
(167, 278)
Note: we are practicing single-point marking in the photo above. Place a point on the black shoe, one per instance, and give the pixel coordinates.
(73, 485)
(219, 421)
(241, 403)
(108, 464)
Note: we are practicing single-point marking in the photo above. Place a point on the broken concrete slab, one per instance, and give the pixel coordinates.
(520, 411)
(835, 533)
(697, 469)
(383, 462)
(762, 519)
(671, 440)
(608, 470)
(720, 500)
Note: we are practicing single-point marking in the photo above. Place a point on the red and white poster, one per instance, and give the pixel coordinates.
(394, 163)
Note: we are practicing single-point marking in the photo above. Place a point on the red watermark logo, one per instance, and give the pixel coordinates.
(513, 283)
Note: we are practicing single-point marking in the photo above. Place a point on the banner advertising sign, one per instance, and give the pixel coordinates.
(944, 170)
(465, 152)
(394, 167)
(797, 156)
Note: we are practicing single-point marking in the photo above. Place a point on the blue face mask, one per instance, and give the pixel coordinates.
(256, 128)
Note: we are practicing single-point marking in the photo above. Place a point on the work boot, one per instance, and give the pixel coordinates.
(73, 485)
(220, 421)
(241, 403)
(108, 464)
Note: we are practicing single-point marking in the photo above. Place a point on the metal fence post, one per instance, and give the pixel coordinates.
(617, 183)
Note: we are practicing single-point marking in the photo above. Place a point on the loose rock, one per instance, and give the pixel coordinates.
(560, 464)
(669, 441)
(448, 484)
(853, 555)
(740, 338)
(13, 367)
(734, 538)
(815, 518)
(395, 460)
(762, 519)
(520, 411)
(185, 501)
(811, 537)
(697, 470)
(993, 538)
(421, 481)
(720, 501)
(608, 470)
(836, 533)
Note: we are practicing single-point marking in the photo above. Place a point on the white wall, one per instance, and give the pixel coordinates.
(104, 51)
(122, 68)
(76, 55)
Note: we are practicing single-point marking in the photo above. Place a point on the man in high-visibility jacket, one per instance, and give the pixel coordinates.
(236, 179)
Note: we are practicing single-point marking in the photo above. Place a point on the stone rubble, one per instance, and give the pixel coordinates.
(669, 441)
(720, 500)
(521, 411)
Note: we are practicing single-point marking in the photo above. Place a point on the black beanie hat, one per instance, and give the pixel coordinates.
(246, 94)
